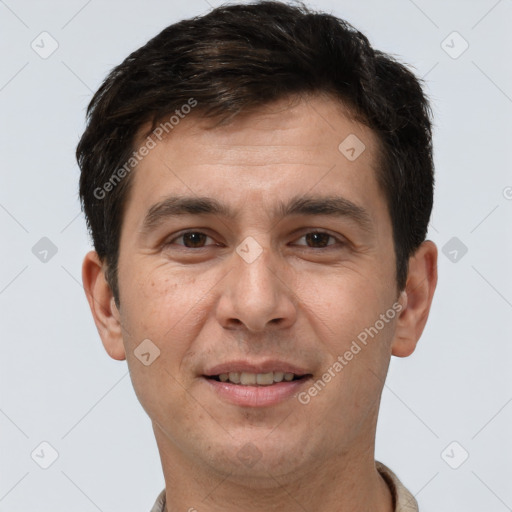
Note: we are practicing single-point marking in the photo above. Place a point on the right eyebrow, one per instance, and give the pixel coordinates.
(173, 206)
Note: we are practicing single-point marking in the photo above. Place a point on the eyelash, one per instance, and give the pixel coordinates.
(320, 232)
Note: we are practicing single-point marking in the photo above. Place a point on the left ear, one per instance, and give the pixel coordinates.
(416, 299)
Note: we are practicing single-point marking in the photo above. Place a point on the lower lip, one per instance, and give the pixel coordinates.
(256, 396)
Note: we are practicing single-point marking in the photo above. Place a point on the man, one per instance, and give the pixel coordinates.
(258, 183)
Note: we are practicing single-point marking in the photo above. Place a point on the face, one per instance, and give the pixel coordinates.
(260, 247)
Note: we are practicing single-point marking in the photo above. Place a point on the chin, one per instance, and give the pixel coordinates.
(258, 463)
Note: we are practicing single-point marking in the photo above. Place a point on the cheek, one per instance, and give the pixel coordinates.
(155, 302)
(169, 306)
(160, 305)
(344, 302)
(345, 312)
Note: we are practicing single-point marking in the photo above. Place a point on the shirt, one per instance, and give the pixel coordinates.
(403, 499)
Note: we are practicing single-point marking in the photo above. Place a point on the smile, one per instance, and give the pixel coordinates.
(256, 379)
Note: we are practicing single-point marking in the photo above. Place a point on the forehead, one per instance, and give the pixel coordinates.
(277, 151)
(313, 126)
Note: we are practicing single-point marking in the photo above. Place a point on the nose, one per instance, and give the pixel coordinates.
(256, 296)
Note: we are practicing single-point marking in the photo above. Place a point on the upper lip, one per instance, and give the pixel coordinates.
(266, 366)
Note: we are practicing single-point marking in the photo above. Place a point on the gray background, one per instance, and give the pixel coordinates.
(59, 386)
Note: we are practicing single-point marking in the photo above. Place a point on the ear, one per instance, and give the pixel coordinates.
(416, 299)
(102, 304)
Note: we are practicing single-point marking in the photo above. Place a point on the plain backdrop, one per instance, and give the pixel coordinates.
(446, 410)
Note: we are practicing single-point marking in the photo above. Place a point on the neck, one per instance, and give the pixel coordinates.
(343, 483)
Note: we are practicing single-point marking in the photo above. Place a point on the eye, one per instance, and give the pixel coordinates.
(191, 240)
(318, 239)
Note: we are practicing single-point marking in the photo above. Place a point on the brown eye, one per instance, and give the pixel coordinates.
(194, 239)
(318, 239)
(191, 240)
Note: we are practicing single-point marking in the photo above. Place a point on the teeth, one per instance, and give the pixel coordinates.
(265, 378)
(253, 379)
(247, 379)
(234, 377)
(278, 376)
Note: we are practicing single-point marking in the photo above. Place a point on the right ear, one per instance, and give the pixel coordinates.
(103, 308)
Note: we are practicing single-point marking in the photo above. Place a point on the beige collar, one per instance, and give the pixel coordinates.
(404, 501)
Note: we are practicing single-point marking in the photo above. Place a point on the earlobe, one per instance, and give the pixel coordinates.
(101, 301)
(416, 299)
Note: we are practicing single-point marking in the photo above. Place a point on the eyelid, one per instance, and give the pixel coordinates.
(181, 234)
(338, 239)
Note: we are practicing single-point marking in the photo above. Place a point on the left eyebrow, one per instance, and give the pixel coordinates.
(337, 206)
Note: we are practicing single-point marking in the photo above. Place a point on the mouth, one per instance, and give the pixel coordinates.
(252, 385)
(257, 379)
(261, 383)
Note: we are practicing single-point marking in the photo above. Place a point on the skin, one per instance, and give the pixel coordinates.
(298, 301)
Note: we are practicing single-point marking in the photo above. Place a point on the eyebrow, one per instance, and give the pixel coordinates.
(174, 206)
